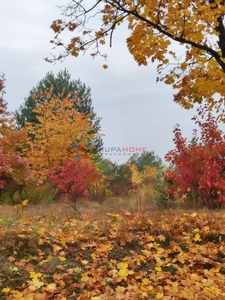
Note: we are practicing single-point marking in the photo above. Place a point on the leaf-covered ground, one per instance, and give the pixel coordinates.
(163, 255)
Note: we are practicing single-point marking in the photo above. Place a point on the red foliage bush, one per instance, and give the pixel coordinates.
(75, 178)
(198, 167)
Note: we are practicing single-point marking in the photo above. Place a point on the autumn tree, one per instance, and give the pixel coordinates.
(106, 166)
(6, 118)
(76, 177)
(154, 28)
(17, 172)
(61, 82)
(14, 170)
(120, 180)
(144, 159)
(61, 133)
(11, 140)
(100, 190)
(197, 171)
(143, 184)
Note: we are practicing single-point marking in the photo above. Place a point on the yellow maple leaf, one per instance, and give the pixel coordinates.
(25, 202)
(41, 231)
(123, 270)
(50, 287)
(35, 275)
(43, 261)
(197, 238)
(145, 281)
(186, 294)
(169, 79)
(215, 270)
(195, 277)
(120, 289)
(21, 235)
(145, 285)
(159, 296)
(62, 258)
(85, 277)
(105, 248)
(6, 290)
(84, 262)
(93, 256)
(35, 284)
(17, 295)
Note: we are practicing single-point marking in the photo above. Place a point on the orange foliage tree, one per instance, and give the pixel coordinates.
(153, 27)
(60, 134)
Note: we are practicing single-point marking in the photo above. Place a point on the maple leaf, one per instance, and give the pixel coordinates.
(105, 248)
(6, 290)
(197, 237)
(25, 202)
(17, 295)
(186, 294)
(120, 291)
(161, 238)
(41, 231)
(50, 287)
(159, 296)
(62, 258)
(35, 284)
(35, 275)
(146, 285)
(11, 258)
(86, 277)
(123, 270)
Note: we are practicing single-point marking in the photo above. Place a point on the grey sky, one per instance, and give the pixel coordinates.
(135, 110)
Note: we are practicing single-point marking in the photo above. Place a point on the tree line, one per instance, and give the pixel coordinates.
(50, 149)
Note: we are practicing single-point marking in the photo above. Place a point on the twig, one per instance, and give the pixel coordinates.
(74, 207)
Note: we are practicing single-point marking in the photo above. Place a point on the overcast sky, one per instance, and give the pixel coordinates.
(135, 111)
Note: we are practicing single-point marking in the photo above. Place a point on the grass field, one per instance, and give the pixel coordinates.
(49, 252)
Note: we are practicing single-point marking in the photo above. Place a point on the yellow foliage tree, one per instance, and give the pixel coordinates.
(136, 176)
(154, 26)
(147, 176)
(143, 183)
(61, 134)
